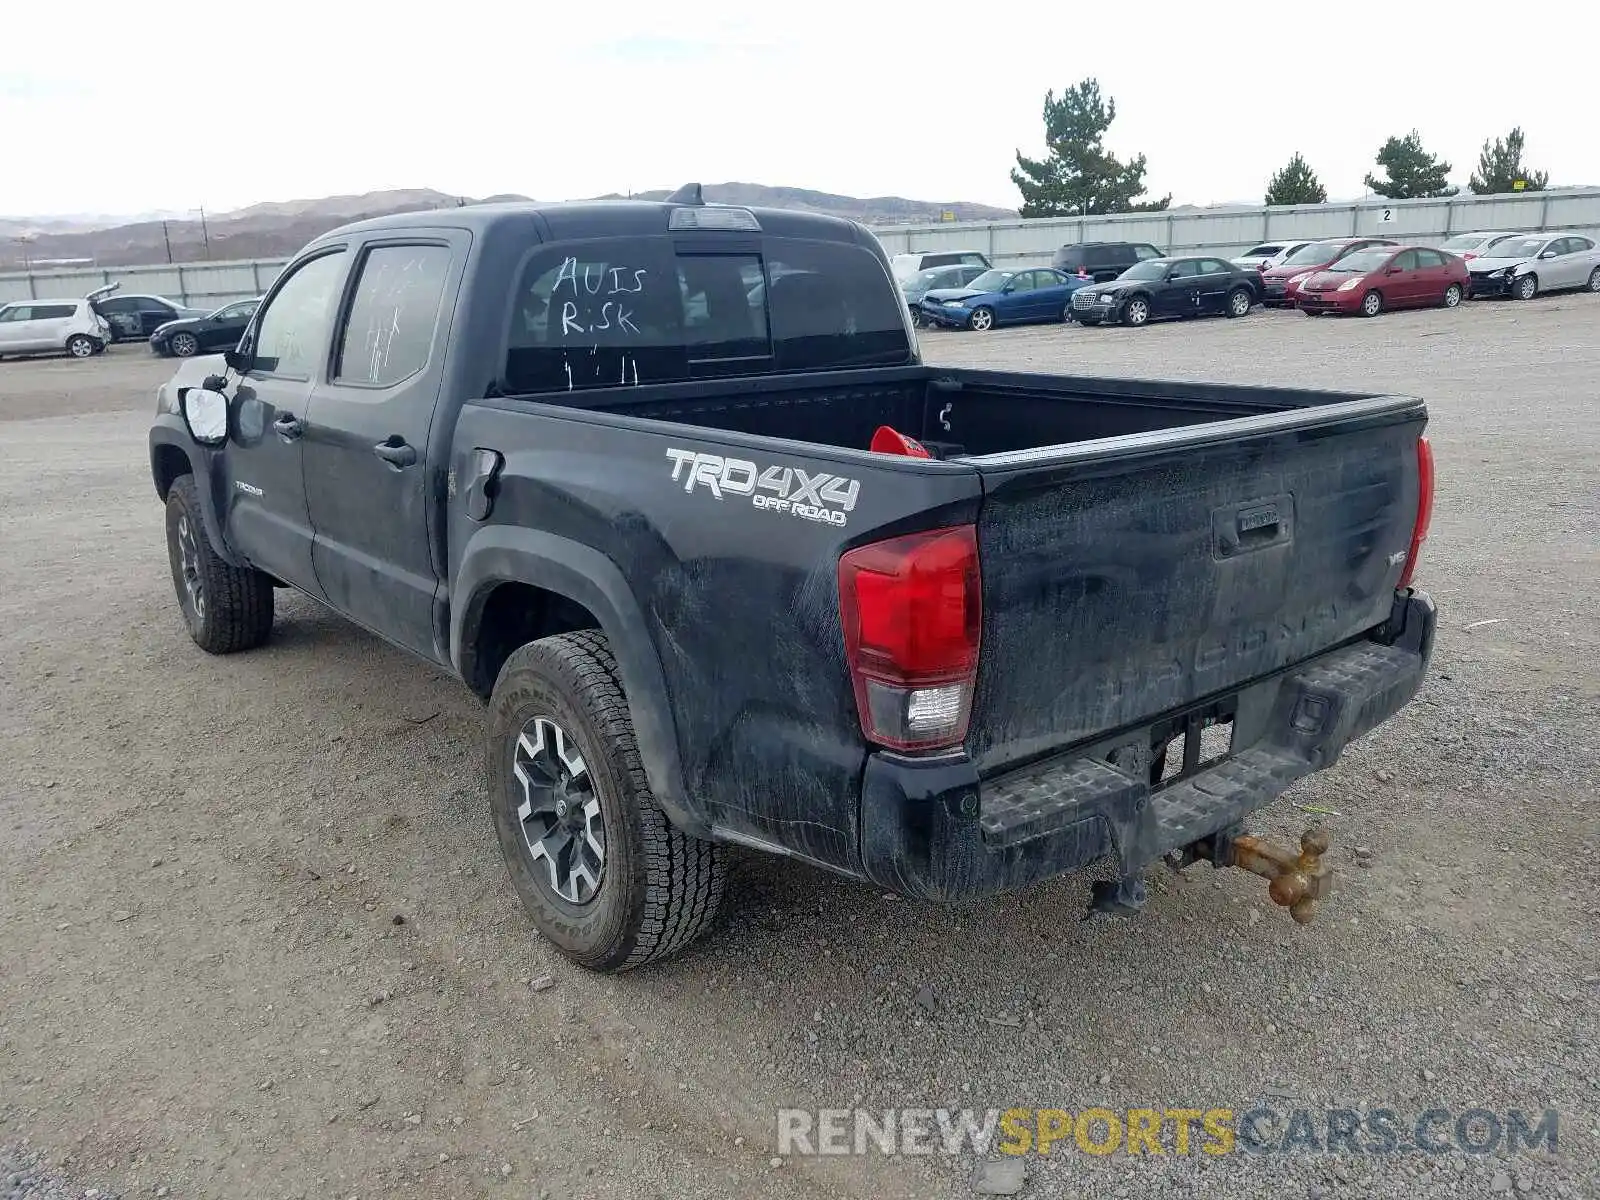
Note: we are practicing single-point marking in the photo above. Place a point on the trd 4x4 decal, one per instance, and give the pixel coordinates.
(820, 497)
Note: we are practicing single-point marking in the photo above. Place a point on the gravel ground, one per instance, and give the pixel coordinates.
(257, 940)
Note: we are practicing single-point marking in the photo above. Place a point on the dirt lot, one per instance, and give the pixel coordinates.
(205, 985)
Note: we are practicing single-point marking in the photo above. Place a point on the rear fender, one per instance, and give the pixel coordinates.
(505, 554)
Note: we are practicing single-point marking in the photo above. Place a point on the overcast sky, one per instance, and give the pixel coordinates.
(128, 108)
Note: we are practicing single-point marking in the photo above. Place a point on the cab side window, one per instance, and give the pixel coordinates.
(388, 334)
(291, 331)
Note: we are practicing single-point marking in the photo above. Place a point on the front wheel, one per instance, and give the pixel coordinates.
(982, 319)
(226, 608)
(80, 345)
(1137, 311)
(1525, 288)
(1239, 302)
(1371, 304)
(1594, 280)
(1452, 295)
(604, 874)
(184, 345)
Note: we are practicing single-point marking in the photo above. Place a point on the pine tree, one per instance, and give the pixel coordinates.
(1296, 183)
(1500, 166)
(1412, 171)
(1079, 176)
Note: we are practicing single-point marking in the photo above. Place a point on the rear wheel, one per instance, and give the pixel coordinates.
(184, 345)
(982, 319)
(1136, 311)
(1452, 295)
(81, 345)
(604, 874)
(1525, 288)
(1594, 280)
(1239, 302)
(1371, 304)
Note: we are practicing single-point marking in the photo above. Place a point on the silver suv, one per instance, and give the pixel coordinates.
(53, 326)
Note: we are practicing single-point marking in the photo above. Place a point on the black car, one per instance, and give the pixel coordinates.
(1169, 287)
(219, 330)
(1103, 261)
(133, 318)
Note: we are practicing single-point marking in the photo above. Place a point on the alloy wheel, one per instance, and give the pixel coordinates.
(189, 564)
(560, 816)
(184, 344)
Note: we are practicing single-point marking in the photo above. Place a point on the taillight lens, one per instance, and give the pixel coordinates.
(1419, 532)
(912, 612)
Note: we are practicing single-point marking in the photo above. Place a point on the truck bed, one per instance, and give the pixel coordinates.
(982, 412)
(1146, 546)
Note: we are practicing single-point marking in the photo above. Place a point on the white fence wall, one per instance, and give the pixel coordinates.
(1029, 243)
(1012, 243)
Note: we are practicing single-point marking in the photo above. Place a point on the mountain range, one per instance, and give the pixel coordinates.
(278, 229)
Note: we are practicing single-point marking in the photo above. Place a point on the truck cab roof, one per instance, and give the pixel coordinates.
(601, 218)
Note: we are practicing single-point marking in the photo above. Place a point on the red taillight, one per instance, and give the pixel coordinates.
(912, 611)
(1419, 532)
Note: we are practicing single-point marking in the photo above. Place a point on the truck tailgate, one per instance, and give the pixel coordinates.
(1129, 577)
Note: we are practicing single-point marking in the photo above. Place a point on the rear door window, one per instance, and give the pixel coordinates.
(1142, 252)
(388, 333)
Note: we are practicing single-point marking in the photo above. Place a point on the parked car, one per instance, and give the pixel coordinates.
(1102, 262)
(1281, 283)
(1379, 277)
(908, 266)
(215, 331)
(45, 326)
(1469, 246)
(1160, 288)
(1269, 254)
(133, 318)
(1541, 262)
(704, 614)
(919, 285)
(1001, 297)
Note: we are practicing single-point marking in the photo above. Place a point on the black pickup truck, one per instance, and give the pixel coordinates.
(668, 486)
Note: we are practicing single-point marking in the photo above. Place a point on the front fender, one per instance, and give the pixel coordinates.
(506, 554)
(168, 437)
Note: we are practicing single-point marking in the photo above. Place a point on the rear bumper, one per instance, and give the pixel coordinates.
(933, 830)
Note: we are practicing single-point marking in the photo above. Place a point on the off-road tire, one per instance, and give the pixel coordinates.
(235, 612)
(661, 888)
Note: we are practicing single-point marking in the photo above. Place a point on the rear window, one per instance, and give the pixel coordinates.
(630, 311)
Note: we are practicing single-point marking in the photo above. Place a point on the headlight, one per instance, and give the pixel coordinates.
(956, 301)
(1351, 284)
(1506, 271)
(1300, 278)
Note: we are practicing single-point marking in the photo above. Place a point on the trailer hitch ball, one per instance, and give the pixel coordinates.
(1296, 881)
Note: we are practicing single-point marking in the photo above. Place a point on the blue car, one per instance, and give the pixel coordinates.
(1004, 298)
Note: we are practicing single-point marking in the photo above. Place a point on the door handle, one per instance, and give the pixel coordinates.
(395, 451)
(288, 426)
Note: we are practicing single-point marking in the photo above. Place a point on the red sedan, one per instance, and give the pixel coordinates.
(1380, 277)
(1280, 285)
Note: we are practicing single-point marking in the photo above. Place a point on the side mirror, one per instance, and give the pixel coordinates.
(215, 383)
(205, 412)
(1547, 254)
(237, 360)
